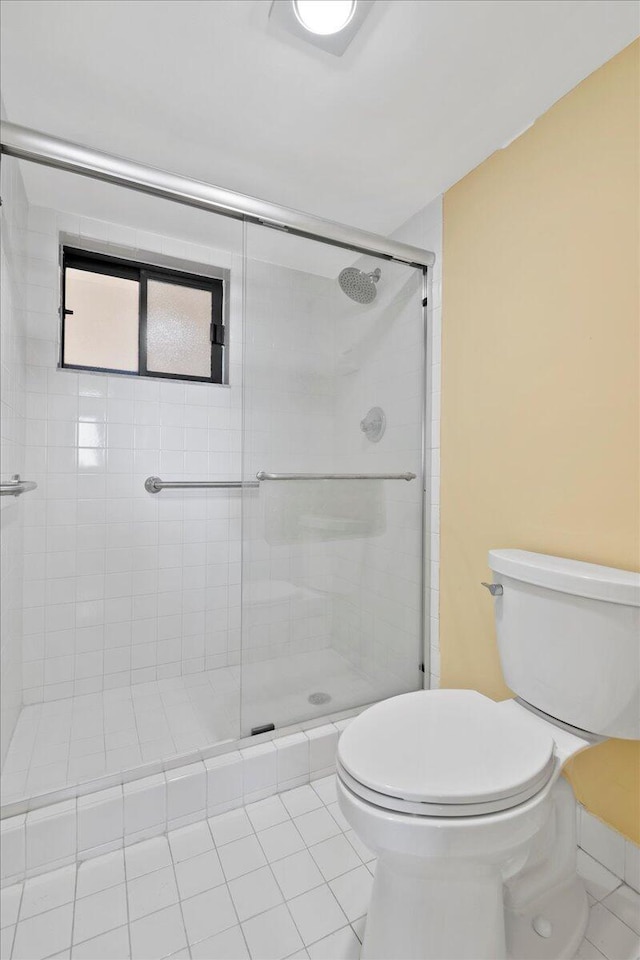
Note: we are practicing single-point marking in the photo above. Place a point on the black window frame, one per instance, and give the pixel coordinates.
(78, 259)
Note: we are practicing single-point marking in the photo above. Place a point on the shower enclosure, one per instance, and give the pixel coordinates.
(199, 562)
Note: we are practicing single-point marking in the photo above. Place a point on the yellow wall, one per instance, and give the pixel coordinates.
(540, 379)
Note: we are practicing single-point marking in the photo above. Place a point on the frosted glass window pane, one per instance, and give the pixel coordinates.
(102, 331)
(178, 329)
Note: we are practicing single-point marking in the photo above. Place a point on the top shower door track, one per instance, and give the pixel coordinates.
(27, 144)
(263, 475)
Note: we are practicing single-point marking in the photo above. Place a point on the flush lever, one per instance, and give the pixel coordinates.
(495, 589)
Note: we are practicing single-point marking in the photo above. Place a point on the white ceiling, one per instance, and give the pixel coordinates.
(211, 89)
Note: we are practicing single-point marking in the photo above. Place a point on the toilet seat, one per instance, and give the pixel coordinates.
(427, 809)
(445, 753)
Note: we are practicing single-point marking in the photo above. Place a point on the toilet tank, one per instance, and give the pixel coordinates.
(569, 639)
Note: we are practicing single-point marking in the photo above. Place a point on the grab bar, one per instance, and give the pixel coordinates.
(16, 486)
(155, 484)
(263, 475)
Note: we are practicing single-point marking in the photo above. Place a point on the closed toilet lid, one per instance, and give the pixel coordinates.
(446, 747)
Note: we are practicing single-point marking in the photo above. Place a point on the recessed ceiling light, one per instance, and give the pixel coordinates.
(328, 24)
(324, 17)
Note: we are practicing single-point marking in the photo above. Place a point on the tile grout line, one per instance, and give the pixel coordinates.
(603, 904)
(126, 897)
(230, 898)
(254, 832)
(139, 742)
(306, 846)
(175, 880)
(285, 902)
(15, 929)
(73, 912)
(348, 926)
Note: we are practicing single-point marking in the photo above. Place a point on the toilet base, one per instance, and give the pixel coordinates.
(434, 911)
(563, 911)
(500, 887)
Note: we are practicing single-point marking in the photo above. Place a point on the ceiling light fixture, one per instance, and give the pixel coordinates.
(324, 17)
(330, 25)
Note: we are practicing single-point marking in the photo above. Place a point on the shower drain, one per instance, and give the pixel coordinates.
(318, 698)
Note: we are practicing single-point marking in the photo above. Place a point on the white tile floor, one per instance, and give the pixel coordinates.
(69, 741)
(284, 877)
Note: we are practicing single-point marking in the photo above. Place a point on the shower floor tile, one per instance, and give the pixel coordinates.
(66, 742)
(259, 910)
(277, 691)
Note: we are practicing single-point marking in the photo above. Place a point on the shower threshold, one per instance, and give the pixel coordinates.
(77, 740)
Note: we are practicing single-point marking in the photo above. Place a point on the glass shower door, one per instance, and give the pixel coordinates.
(332, 567)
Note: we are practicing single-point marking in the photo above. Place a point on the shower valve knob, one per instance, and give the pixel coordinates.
(374, 424)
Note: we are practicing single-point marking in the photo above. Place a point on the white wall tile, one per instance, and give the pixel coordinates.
(602, 842)
(100, 818)
(632, 865)
(323, 743)
(224, 779)
(342, 725)
(292, 760)
(259, 767)
(51, 834)
(145, 804)
(13, 839)
(103, 435)
(186, 792)
(599, 881)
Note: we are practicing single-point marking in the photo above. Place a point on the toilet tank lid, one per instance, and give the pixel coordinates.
(568, 576)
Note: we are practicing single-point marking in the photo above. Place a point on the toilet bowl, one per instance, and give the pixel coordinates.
(458, 795)
(462, 798)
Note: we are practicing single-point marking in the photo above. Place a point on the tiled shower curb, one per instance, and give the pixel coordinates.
(81, 827)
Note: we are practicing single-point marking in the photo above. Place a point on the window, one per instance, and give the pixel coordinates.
(124, 317)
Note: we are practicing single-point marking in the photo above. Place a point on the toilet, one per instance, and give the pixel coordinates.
(461, 797)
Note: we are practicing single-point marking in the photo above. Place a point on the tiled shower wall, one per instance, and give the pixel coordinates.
(121, 586)
(13, 226)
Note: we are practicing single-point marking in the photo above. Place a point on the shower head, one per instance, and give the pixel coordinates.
(358, 285)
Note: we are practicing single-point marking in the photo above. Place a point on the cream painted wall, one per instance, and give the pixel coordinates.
(540, 402)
